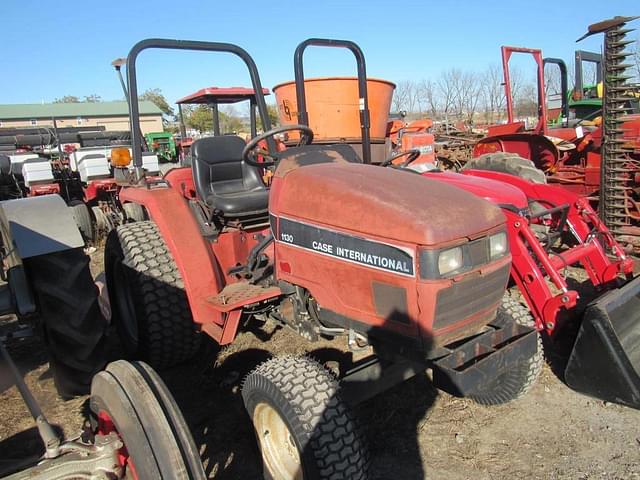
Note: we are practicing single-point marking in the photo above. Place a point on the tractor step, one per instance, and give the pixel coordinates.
(237, 295)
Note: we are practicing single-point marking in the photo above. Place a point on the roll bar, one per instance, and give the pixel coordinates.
(168, 44)
(301, 99)
(564, 86)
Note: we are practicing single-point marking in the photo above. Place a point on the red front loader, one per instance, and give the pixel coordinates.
(335, 248)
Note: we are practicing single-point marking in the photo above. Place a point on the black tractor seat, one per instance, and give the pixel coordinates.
(233, 190)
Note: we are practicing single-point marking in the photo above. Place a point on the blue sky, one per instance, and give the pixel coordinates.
(54, 48)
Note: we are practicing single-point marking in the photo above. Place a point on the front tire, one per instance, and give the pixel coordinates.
(519, 379)
(131, 399)
(304, 429)
(148, 303)
(74, 327)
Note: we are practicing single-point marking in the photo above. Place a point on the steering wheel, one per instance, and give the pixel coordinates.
(411, 156)
(251, 149)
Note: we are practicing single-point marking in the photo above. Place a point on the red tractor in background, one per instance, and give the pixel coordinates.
(549, 229)
(334, 248)
(599, 162)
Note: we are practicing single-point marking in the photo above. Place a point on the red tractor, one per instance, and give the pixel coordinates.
(600, 162)
(334, 248)
(549, 229)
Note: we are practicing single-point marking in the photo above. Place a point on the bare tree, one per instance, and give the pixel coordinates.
(517, 80)
(492, 89)
(446, 90)
(470, 90)
(552, 83)
(526, 103)
(428, 95)
(404, 97)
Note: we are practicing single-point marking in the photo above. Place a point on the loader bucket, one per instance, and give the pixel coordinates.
(605, 361)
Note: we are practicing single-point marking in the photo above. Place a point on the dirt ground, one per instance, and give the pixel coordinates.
(414, 431)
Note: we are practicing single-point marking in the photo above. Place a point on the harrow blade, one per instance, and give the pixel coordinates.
(605, 361)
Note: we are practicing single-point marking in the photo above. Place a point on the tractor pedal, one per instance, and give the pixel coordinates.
(237, 295)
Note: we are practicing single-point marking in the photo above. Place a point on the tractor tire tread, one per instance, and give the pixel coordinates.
(522, 378)
(309, 394)
(510, 163)
(167, 332)
(83, 220)
(74, 328)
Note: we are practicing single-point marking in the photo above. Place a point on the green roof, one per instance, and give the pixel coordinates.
(61, 110)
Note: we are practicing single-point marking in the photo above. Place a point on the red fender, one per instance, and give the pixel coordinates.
(537, 148)
(170, 211)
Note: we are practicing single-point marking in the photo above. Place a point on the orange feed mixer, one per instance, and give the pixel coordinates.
(333, 107)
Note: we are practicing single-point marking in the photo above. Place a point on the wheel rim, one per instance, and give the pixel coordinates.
(105, 427)
(124, 303)
(279, 451)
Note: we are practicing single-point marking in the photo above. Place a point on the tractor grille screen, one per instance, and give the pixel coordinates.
(465, 298)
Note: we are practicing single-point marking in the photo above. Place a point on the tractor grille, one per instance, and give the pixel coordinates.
(468, 297)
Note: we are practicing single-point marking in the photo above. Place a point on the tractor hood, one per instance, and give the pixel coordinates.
(383, 202)
(496, 192)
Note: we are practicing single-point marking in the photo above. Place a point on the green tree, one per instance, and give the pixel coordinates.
(272, 110)
(155, 96)
(198, 118)
(67, 99)
(230, 123)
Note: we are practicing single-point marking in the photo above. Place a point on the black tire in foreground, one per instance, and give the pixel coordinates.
(149, 306)
(130, 398)
(74, 328)
(303, 427)
(519, 379)
(510, 163)
(83, 220)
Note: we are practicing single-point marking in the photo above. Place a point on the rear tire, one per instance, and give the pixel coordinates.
(303, 427)
(134, 212)
(522, 376)
(145, 415)
(149, 306)
(81, 215)
(510, 163)
(74, 328)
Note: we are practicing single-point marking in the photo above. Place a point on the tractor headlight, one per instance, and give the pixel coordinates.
(498, 245)
(450, 260)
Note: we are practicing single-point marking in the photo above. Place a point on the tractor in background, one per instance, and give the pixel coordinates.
(598, 162)
(548, 228)
(335, 248)
(163, 146)
(74, 165)
(135, 429)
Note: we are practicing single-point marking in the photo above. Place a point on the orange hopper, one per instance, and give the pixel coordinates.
(333, 107)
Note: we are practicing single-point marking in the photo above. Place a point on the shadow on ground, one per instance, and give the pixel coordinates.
(208, 391)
